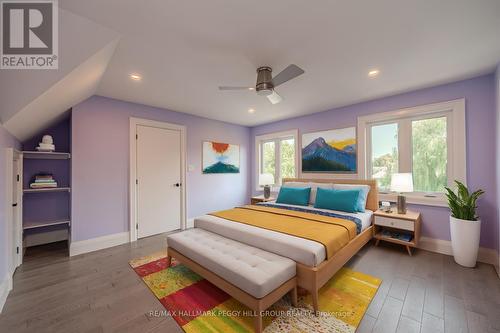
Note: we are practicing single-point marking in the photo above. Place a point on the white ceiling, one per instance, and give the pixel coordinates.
(185, 49)
(32, 100)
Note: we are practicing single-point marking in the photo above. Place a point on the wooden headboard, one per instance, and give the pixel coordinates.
(372, 199)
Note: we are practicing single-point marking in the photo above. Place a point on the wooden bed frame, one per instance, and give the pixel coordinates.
(313, 278)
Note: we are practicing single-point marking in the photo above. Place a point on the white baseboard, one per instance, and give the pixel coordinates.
(485, 255)
(99, 243)
(5, 288)
(190, 223)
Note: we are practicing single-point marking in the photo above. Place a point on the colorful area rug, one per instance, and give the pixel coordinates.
(198, 306)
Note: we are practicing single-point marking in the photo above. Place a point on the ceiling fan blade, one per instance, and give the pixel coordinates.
(287, 74)
(274, 98)
(236, 88)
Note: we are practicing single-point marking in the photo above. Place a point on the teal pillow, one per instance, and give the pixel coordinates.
(294, 196)
(343, 200)
(363, 193)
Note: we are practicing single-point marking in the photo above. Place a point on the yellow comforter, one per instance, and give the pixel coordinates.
(334, 233)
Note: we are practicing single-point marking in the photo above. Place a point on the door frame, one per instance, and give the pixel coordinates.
(134, 122)
(14, 156)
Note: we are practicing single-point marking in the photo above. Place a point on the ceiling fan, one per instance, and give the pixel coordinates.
(266, 83)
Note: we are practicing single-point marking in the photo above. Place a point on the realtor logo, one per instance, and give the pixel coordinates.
(29, 34)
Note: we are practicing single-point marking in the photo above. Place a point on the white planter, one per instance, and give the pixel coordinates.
(465, 241)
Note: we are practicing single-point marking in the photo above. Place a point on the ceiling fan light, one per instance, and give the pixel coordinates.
(264, 92)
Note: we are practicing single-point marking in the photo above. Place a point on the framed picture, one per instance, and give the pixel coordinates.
(220, 157)
(331, 151)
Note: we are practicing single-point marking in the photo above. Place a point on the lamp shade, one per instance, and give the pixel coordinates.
(266, 179)
(402, 182)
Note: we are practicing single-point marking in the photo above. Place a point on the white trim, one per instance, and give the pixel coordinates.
(485, 255)
(438, 201)
(274, 136)
(13, 259)
(5, 288)
(455, 113)
(133, 172)
(98, 243)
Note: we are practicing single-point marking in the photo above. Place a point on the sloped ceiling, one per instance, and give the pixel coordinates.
(34, 99)
(185, 49)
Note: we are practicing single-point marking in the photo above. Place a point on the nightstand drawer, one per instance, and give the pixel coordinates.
(395, 223)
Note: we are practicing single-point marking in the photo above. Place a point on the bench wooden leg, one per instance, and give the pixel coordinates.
(258, 322)
(169, 261)
(293, 293)
(314, 295)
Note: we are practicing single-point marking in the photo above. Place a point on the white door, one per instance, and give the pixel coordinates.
(158, 180)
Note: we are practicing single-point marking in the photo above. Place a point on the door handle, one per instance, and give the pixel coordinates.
(177, 184)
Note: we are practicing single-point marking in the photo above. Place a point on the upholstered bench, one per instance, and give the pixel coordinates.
(254, 277)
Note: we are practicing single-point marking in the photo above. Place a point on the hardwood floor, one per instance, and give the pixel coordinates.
(98, 292)
(428, 292)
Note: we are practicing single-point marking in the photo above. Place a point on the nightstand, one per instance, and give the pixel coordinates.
(402, 224)
(260, 198)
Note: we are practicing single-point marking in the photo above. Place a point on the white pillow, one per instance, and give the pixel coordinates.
(363, 195)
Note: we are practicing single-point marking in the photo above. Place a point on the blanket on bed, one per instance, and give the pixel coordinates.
(333, 232)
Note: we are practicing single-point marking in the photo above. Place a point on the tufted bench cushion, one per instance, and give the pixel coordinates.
(253, 270)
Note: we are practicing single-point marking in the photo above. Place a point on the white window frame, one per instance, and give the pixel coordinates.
(276, 137)
(456, 136)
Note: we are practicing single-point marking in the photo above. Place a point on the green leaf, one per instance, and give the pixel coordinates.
(463, 204)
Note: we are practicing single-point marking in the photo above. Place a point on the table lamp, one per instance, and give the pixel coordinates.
(266, 180)
(402, 182)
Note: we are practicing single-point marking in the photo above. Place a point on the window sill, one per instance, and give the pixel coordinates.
(437, 201)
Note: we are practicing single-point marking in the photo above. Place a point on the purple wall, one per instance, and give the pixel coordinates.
(6, 141)
(480, 117)
(100, 175)
(497, 150)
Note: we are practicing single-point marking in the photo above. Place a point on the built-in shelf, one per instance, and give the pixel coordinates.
(50, 189)
(41, 224)
(46, 155)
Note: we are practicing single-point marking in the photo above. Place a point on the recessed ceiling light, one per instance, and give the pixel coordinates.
(251, 88)
(251, 110)
(373, 73)
(135, 77)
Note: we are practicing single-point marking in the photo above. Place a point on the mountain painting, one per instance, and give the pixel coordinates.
(220, 157)
(332, 151)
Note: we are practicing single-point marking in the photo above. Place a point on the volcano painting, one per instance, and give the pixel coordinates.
(220, 157)
(332, 151)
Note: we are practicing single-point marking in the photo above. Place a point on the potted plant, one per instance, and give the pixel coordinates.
(465, 226)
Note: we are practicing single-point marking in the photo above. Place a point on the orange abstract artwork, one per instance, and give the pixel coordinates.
(220, 157)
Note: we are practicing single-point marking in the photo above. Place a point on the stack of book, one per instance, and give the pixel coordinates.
(397, 235)
(43, 181)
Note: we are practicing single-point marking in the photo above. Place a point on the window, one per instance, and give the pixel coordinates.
(269, 157)
(384, 153)
(428, 141)
(277, 155)
(287, 158)
(430, 154)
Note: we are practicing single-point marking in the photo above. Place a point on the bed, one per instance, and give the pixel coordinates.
(316, 264)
